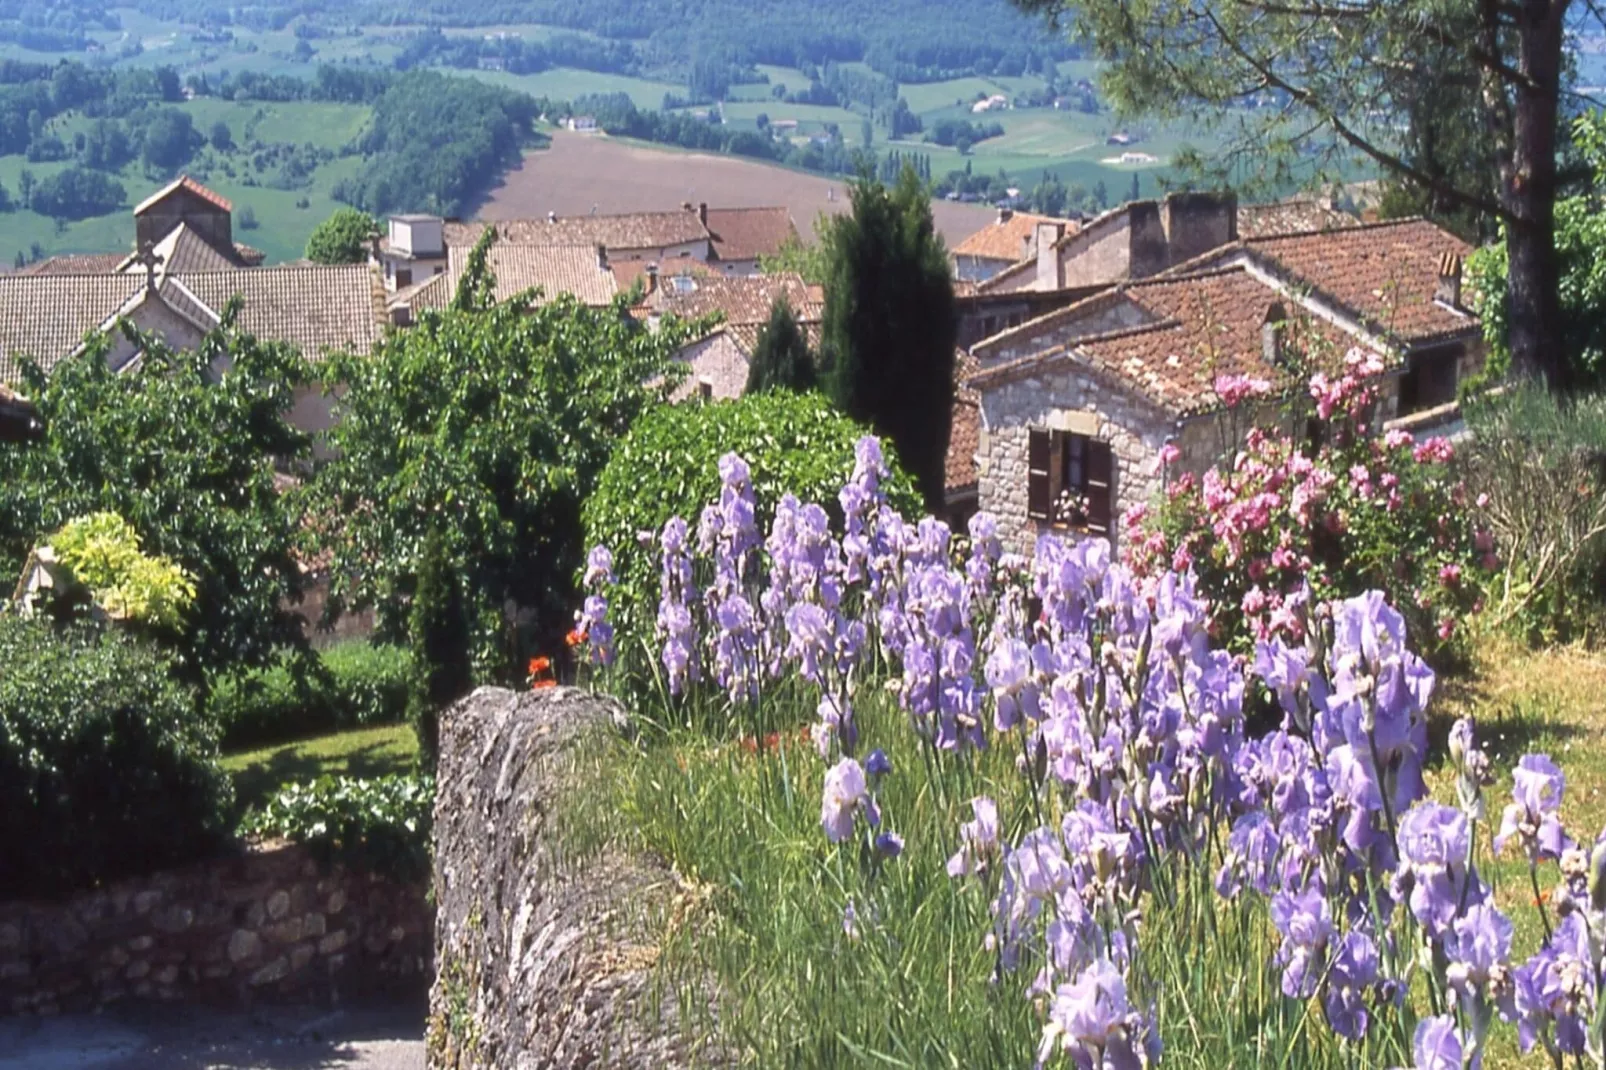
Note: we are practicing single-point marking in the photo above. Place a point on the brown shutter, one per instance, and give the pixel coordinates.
(1039, 452)
(1100, 486)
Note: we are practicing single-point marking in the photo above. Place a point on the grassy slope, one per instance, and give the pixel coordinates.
(283, 226)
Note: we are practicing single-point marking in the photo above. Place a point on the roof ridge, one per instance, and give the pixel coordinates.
(1315, 232)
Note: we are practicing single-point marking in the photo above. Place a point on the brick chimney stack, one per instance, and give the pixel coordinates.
(1447, 289)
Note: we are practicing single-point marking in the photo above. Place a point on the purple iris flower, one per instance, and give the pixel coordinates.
(1010, 675)
(1478, 948)
(878, 764)
(1306, 924)
(1353, 971)
(1437, 1044)
(846, 794)
(1251, 856)
(1554, 987)
(1092, 1020)
(1536, 790)
(978, 839)
(1434, 841)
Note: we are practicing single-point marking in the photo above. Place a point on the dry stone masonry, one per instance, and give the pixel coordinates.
(267, 925)
(544, 958)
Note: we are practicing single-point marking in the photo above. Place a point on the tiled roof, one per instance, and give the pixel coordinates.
(964, 429)
(316, 309)
(75, 264)
(743, 299)
(182, 250)
(1385, 272)
(46, 316)
(637, 230)
(749, 233)
(627, 272)
(249, 256)
(554, 269)
(187, 183)
(746, 334)
(1196, 327)
(1296, 215)
(1007, 239)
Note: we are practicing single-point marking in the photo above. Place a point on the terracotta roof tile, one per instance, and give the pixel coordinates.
(749, 233)
(184, 182)
(627, 272)
(1297, 215)
(554, 269)
(46, 316)
(75, 264)
(964, 428)
(637, 230)
(1007, 239)
(743, 299)
(316, 309)
(1386, 272)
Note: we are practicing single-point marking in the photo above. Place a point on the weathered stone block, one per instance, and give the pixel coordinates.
(243, 945)
(277, 970)
(278, 904)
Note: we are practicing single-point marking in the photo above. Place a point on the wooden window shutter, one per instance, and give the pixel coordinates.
(1100, 486)
(1039, 455)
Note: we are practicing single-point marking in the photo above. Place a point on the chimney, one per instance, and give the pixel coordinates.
(1050, 269)
(602, 256)
(552, 217)
(685, 206)
(1271, 334)
(1005, 213)
(1447, 290)
(702, 213)
(652, 278)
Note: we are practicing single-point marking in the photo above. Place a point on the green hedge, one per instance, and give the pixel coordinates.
(106, 766)
(668, 465)
(346, 686)
(378, 824)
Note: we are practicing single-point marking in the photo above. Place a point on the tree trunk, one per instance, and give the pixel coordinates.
(1534, 276)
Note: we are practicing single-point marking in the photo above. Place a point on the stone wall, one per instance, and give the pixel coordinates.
(1076, 401)
(544, 956)
(266, 925)
(717, 361)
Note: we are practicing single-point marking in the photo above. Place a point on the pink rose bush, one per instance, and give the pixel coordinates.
(1284, 523)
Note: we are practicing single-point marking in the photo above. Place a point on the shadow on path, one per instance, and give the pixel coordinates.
(165, 1037)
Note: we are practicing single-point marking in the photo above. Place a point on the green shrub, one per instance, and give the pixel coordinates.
(442, 661)
(102, 551)
(669, 466)
(106, 766)
(380, 824)
(346, 686)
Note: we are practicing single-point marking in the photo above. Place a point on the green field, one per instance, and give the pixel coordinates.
(562, 83)
(282, 225)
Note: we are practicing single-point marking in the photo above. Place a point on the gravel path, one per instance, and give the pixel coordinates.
(185, 1038)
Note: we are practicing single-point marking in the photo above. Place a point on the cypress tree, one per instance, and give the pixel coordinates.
(891, 324)
(781, 359)
(439, 627)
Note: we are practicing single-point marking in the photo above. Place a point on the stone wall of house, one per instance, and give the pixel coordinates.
(1049, 332)
(716, 361)
(544, 954)
(266, 925)
(1072, 401)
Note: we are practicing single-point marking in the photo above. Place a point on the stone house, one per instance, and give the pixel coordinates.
(316, 309)
(1003, 243)
(580, 270)
(719, 360)
(1073, 408)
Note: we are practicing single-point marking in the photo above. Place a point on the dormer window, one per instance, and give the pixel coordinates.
(683, 284)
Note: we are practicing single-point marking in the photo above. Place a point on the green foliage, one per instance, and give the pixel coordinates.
(1539, 466)
(105, 767)
(1581, 248)
(434, 142)
(76, 193)
(380, 825)
(440, 632)
(808, 260)
(490, 424)
(781, 359)
(348, 685)
(102, 552)
(186, 457)
(342, 238)
(669, 466)
(891, 324)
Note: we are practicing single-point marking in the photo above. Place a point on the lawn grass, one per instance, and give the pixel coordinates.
(916, 986)
(362, 752)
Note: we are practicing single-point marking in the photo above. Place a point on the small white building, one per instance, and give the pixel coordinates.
(414, 250)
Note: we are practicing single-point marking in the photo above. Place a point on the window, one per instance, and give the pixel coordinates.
(989, 326)
(404, 277)
(1070, 481)
(705, 389)
(1429, 380)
